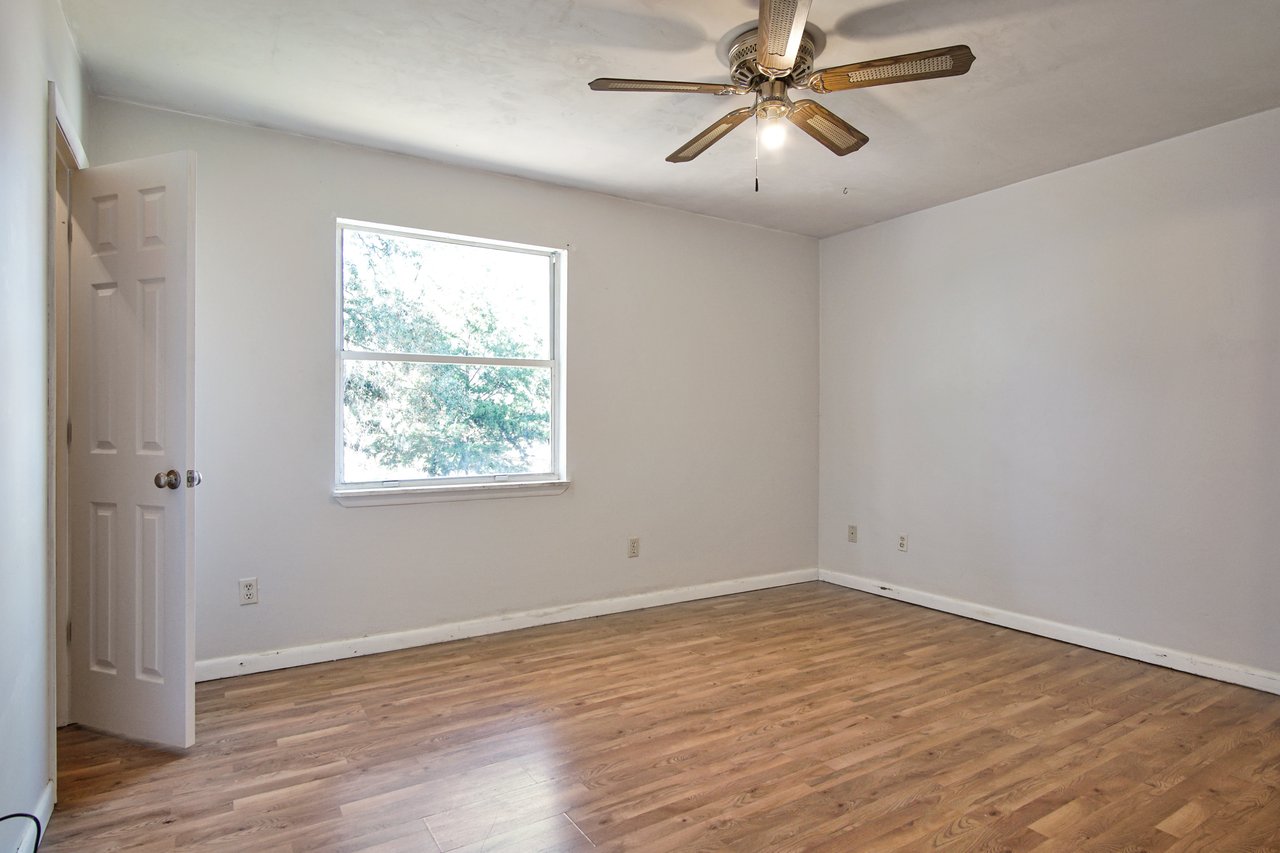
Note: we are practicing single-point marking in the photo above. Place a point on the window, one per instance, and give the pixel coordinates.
(450, 365)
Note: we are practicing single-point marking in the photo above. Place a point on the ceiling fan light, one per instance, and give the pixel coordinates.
(773, 134)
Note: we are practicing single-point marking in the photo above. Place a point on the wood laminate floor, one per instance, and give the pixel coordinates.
(808, 717)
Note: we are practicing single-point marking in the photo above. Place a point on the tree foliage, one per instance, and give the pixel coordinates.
(433, 420)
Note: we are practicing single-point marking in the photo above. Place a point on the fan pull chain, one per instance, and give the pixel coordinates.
(757, 118)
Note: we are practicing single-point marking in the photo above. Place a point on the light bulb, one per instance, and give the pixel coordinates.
(773, 133)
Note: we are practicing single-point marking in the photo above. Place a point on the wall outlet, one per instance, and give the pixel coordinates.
(902, 542)
(853, 533)
(633, 547)
(248, 591)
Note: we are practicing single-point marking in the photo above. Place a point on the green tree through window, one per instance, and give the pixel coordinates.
(447, 359)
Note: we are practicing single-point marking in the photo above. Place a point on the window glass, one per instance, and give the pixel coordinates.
(411, 295)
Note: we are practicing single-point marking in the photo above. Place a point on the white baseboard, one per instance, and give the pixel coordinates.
(207, 670)
(1258, 679)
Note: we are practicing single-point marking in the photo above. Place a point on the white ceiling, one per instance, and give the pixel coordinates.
(502, 85)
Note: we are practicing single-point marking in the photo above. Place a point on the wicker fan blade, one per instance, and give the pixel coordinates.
(618, 84)
(943, 62)
(827, 127)
(781, 26)
(712, 134)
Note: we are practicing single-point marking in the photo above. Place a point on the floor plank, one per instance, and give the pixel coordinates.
(808, 717)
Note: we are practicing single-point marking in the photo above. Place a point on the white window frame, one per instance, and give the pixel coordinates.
(387, 492)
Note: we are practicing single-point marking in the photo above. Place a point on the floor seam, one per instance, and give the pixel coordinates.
(575, 826)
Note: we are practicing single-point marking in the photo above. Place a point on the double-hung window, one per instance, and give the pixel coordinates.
(450, 365)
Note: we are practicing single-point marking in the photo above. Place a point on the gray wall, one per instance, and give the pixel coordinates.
(692, 396)
(1067, 393)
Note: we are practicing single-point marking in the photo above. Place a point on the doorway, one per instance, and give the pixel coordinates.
(120, 529)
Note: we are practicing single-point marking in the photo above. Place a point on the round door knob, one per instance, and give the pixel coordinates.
(168, 480)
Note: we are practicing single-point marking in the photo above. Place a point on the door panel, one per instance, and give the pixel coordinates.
(132, 549)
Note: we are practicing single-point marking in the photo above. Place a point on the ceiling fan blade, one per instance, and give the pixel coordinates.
(712, 134)
(781, 26)
(619, 84)
(827, 127)
(943, 62)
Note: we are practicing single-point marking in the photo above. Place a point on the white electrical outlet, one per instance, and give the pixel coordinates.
(902, 542)
(853, 533)
(633, 547)
(248, 591)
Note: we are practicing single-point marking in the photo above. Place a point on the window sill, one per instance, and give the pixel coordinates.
(391, 495)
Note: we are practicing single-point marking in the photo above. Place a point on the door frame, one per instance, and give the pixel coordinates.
(65, 155)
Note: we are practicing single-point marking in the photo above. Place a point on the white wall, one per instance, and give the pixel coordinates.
(35, 47)
(692, 396)
(1067, 392)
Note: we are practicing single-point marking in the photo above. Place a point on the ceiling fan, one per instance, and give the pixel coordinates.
(777, 55)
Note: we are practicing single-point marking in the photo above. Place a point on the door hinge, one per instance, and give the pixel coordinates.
(68, 633)
(68, 433)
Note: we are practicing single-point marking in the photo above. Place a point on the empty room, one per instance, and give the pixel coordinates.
(846, 425)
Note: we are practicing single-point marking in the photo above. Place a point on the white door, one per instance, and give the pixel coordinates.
(131, 413)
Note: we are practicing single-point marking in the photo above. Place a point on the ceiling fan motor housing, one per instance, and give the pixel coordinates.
(773, 101)
(744, 71)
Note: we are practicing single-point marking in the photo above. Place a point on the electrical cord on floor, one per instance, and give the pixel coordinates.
(32, 818)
